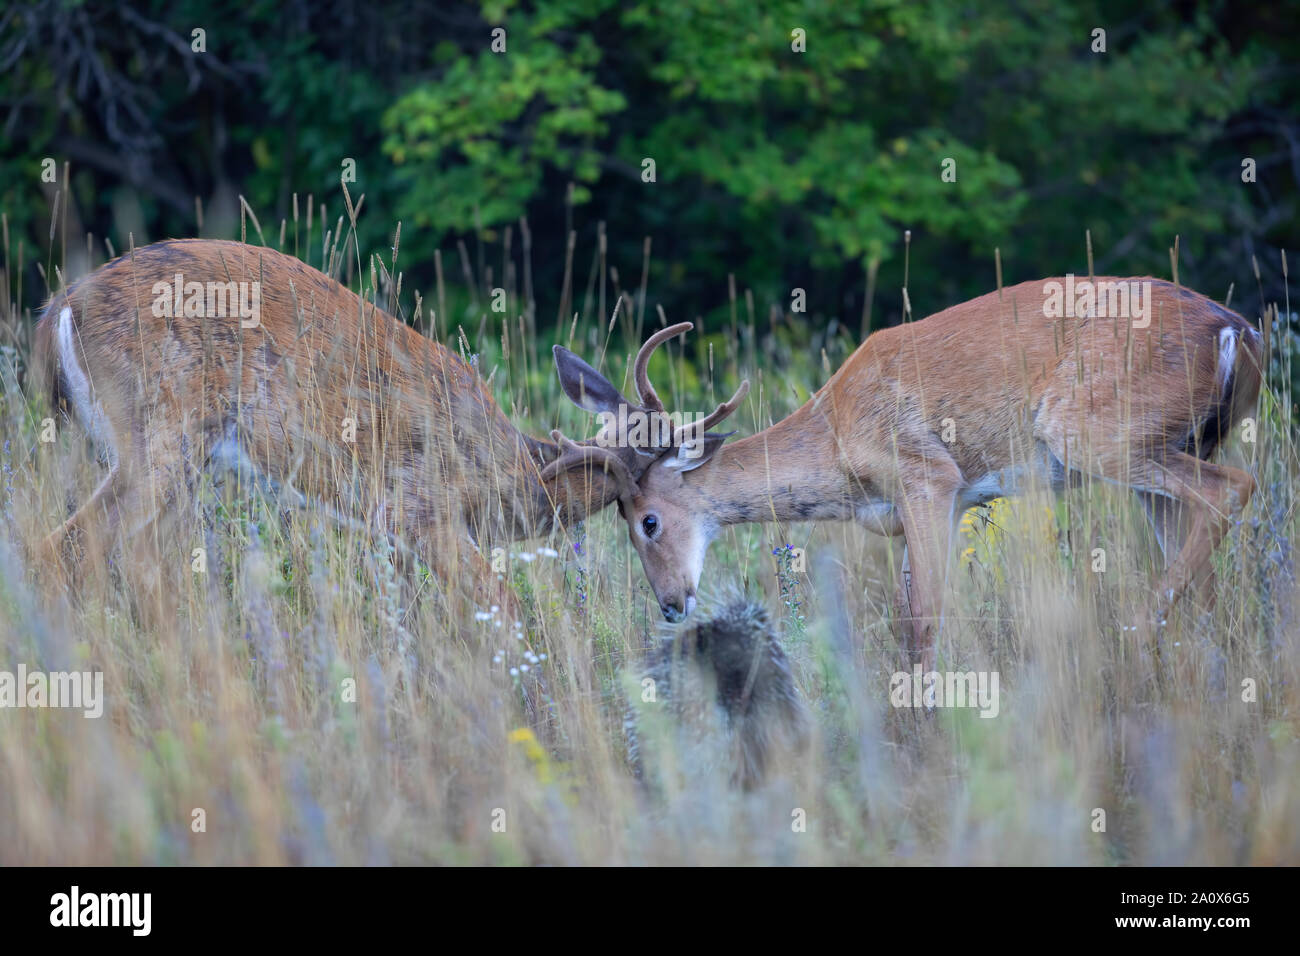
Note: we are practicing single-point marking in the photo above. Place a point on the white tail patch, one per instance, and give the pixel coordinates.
(79, 389)
(1227, 355)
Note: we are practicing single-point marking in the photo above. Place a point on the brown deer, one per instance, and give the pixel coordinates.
(194, 354)
(932, 417)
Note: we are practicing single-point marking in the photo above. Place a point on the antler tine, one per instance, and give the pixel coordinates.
(696, 429)
(645, 391)
(574, 454)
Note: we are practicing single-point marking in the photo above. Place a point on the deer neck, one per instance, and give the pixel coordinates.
(788, 472)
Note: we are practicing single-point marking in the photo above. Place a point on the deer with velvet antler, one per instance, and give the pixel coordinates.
(933, 417)
(193, 356)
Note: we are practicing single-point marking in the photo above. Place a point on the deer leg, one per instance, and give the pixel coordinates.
(118, 513)
(1210, 496)
(902, 587)
(1171, 522)
(100, 508)
(492, 589)
(928, 526)
(112, 516)
(150, 501)
(453, 558)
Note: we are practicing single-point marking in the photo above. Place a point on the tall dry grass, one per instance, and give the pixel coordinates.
(468, 744)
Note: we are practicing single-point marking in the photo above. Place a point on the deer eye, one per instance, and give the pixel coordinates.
(650, 524)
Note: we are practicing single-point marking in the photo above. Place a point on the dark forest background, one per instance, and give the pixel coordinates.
(779, 168)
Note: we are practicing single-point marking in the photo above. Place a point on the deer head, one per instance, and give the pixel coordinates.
(646, 452)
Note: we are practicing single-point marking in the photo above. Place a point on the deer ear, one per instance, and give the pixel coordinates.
(586, 387)
(691, 454)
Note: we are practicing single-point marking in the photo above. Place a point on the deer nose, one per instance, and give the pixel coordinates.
(678, 609)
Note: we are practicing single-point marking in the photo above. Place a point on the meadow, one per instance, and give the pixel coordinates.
(301, 700)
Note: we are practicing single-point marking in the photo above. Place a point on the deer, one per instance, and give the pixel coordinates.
(196, 356)
(932, 417)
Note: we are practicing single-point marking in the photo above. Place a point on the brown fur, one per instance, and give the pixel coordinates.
(434, 459)
(1016, 388)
